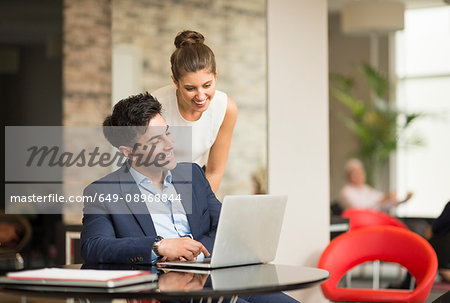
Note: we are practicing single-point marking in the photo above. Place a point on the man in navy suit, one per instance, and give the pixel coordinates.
(151, 208)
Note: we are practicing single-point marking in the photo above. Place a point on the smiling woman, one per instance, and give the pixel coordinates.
(194, 101)
(143, 35)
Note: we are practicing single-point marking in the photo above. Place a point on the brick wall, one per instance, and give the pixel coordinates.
(86, 84)
(87, 61)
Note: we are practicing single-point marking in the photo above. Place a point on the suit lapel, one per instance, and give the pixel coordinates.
(139, 209)
(182, 181)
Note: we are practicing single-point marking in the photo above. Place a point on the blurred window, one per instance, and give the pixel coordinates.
(423, 84)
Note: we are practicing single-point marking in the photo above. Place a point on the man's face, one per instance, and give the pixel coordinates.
(153, 151)
(357, 176)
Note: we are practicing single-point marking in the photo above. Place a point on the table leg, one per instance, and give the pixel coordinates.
(234, 299)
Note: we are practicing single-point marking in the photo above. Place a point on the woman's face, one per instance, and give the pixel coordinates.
(196, 90)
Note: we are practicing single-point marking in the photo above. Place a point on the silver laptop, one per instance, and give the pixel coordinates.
(248, 232)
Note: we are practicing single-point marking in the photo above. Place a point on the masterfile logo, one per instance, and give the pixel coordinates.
(47, 168)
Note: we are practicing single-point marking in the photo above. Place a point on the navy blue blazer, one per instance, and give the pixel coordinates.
(122, 232)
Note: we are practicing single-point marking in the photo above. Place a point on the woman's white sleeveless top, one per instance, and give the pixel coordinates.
(204, 130)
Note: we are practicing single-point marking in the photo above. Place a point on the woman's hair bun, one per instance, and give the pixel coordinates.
(191, 55)
(188, 37)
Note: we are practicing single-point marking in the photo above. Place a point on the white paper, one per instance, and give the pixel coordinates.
(75, 274)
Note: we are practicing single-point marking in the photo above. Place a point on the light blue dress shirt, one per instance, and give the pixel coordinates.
(165, 208)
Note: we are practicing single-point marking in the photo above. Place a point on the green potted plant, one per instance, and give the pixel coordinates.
(378, 125)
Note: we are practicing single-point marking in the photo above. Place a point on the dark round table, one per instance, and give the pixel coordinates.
(175, 284)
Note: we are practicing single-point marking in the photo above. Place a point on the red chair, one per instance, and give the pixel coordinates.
(360, 217)
(385, 243)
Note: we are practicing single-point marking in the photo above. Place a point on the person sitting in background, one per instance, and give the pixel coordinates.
(357, 194)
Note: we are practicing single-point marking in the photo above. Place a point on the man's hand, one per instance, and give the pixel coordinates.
(389, 199)
(408, 196)
(181, 249)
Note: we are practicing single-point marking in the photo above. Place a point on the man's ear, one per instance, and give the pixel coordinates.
(126, 151)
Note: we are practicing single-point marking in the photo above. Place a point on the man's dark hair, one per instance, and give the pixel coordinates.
(130, 118)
